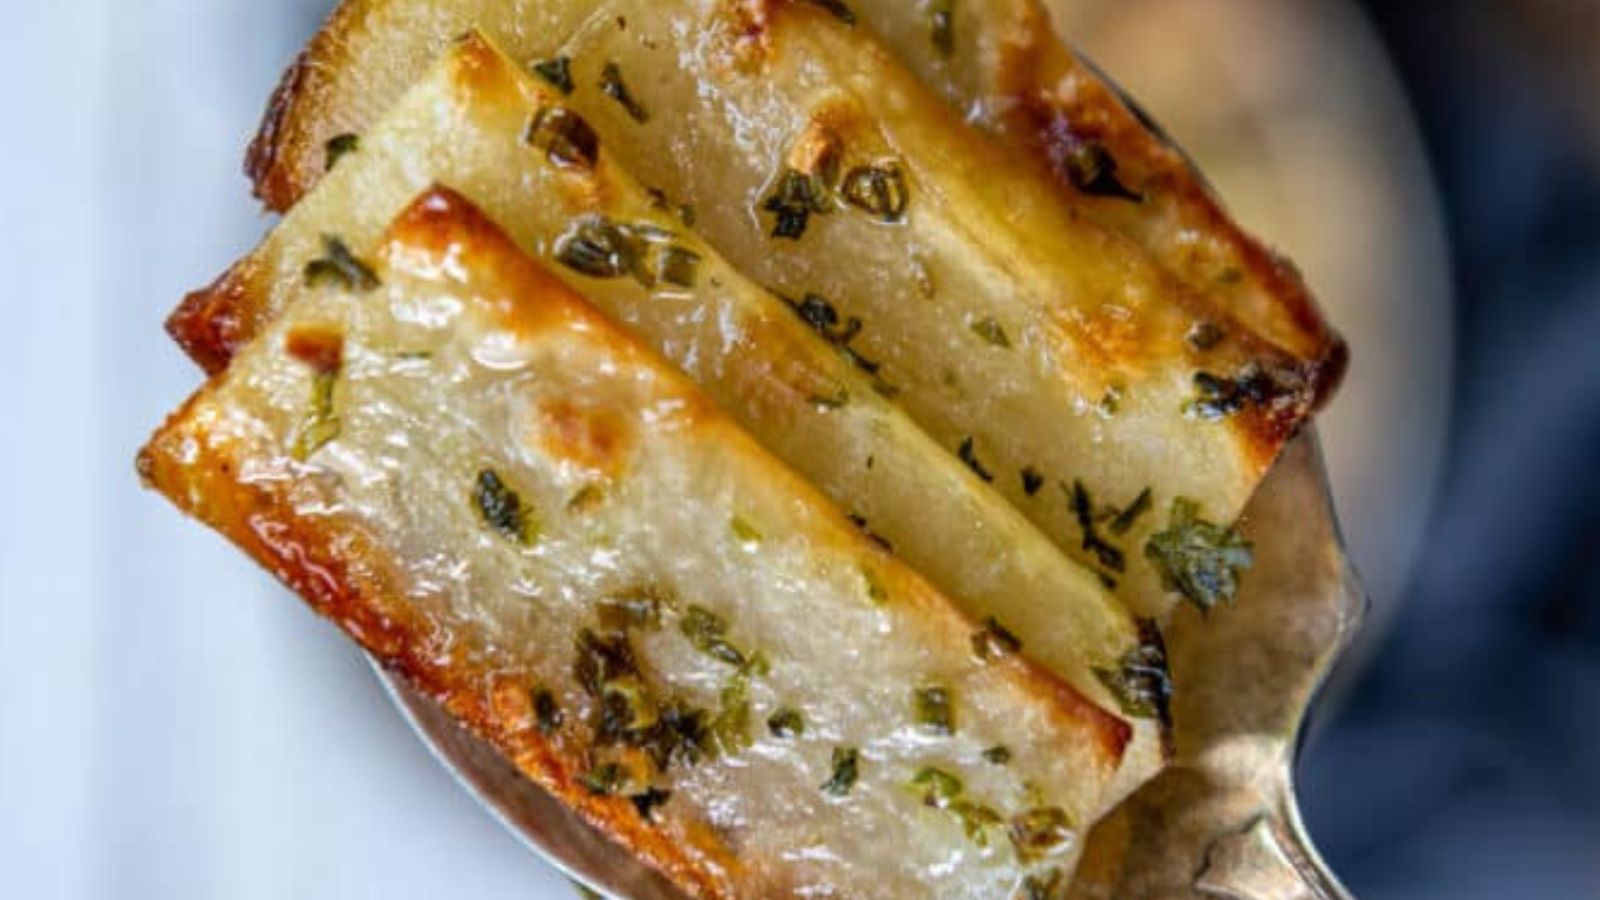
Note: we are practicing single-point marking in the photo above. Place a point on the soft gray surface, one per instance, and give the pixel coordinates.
(172, 724)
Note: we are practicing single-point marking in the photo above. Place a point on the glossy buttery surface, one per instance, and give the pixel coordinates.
(468, 358)
(466, 124)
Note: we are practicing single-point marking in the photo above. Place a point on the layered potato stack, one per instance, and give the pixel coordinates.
(779, 427)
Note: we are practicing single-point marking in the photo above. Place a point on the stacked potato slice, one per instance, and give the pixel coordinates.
(763, 459)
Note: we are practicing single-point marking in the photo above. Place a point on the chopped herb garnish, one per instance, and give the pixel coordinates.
(338, 265)
(879, 191)
(649, 800)
(787, 722)
(602, 659)
(557, 72)
(567, 139)
(997, 755)
(681, 734)
(793, 200)
(547, 712)
(605, 779)
(876, 592)
(976, 820)
(969, 455)
(338, 147)
(586, 499)
(1032, 481)
(743, 531)
(1083, 510)
(1199, 559)
(732, 724)
(612, 85)
(934, 710)
(1221, 397)
(846, 769)
(708, 632)
(992, 333)
(638, 610)
(1141, 682)
(839, 10)
(679, 267)
(1204, 335)
(1093, 170)
(626, 705)
(1111, 402)
(938, 788)
(1044, 885)
(817, 312)
(942, 26)
(600, 248)
(502, 508)
(321, 423)
(993, 641)
(1126, 519)
(1039, 831)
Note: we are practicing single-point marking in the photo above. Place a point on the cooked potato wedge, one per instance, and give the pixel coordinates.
(1050, 353)
(998, 61)
(509, 142)
(544, 526)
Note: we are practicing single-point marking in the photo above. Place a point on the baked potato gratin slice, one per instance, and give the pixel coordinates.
(545, 527)
(1126, 414)
(511, 144)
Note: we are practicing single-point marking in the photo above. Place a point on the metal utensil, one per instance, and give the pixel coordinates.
(1220, 822)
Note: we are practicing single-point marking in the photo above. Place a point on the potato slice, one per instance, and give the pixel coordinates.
(507, 141)
(998, 61)
(1051, 354)
(545, 527)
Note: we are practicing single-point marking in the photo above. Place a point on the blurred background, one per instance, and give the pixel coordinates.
(171, 725)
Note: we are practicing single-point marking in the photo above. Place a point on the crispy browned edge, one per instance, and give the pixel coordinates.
(283, 161)
(346, 579)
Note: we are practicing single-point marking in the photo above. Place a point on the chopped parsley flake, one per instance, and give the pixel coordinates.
(338, 265)
(993, 641)
(338, 147)
(997, 755)
(612, 85)
(556, 72)
(846, 769)
(1141, 682)
(795, 198)
(708, 632)
(1093, 170)
(566, 138)
(502, 508)
(1199, 559)
(1032, 481)
(786, 722)
(992, 333)
(880, 191)
(934, 709)
(1039, 831)
(969, 455)
(547, 712)
(649, 800)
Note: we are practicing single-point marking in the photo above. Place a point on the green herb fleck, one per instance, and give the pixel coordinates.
(743, 531)
(823, 318)
(679, 266)
(321, 423)
(600, 248)
(708, 632)
(1032, 481)
(1093, 170)
(605, 779)
(1199, 559)
(934, 710)
(649, 800)
(338, 147)
(338, 265)
(786, 722)
(732, 724)
(502, 508)
(839, 10)
(876, 592)
(993, 641)
(992, 333)
(547, 712)
(1126, 519)
(976, 820)
(1083, 510)
(612, 85)
(846, 769)
(1040, 831)
(880, 191)
(566, 138)
(938, 788)
(1141, 682)
(638, 610)
(942, 26)
(969, 455)
(793, 200)
(557, 72)
(1221, 397)
(997, 755)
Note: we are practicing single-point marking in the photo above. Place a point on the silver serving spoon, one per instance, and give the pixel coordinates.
(1222, 821)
